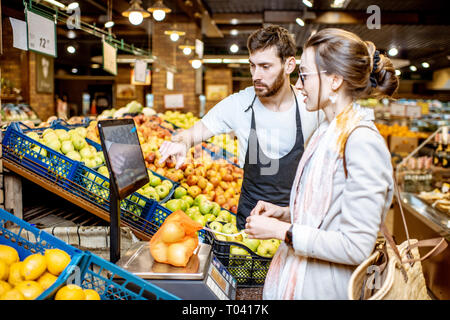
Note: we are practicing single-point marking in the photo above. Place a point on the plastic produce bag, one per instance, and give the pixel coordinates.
(175, 241)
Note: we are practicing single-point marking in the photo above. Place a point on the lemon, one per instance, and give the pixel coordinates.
(12, 294)
(8, 254)
(4, 270)
(15, 275)
(30, 289)
(70, 292)
(91, 294)
(57, 260)
(4, 286)
(33, 266)
(46, 280)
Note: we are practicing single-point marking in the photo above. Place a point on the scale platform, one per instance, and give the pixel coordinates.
(203, 278)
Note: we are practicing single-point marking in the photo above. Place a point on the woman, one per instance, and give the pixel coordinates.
(334, 216)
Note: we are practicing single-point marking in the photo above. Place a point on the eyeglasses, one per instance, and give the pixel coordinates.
(302, 75)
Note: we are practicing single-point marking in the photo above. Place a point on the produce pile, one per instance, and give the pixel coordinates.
(398, 131)
(182, 120)
(29, 278)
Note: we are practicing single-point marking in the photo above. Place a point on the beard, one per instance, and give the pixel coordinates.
(273, 89)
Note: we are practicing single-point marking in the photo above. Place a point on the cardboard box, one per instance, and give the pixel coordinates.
(403, 144)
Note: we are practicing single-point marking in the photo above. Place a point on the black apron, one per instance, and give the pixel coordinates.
(276, 187)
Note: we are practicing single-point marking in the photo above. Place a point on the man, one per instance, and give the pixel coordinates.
(269, 119)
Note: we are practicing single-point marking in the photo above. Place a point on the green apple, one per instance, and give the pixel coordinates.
(78, 142)
(229, 228)
(151, 193)
(90, 163)
(205, 207)
(67, 146)
(233, 219)
(252, 244)
(103, 170)
(188, 199)
(221, 218)
(167, 183)
(63, 136)
(73, 155)
(184, 205)
(86, 152)
(216, 226)
(215, 209)
(225, 215)
(101, 155)
(200, 219)
(192, 210)
(47, 131)
(155, 181)
(54, 144)
(266, 249)
(210, 217)
(162, 190)
(98, 161)
(200, 198)
(81, 131)
(173, 205)
(179, 193)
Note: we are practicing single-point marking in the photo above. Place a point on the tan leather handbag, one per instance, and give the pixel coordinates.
(393, 272)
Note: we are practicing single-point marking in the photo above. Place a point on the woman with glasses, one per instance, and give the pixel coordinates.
(343, 186)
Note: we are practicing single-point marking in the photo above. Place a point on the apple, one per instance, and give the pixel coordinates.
(199, 198)
(194, 191)
(85, 152)
(162, 191)
(200, 219)
(266, 249)
(216, 226)
(78, 142)
(103, 170)
(205, 207)
(188, 199)
(173, 205)
(101, 155)
(33, 135)
(252, 244)
(215, 210)
(193, 211)
(90, 163)
(189, 170)
(192, 180)
(229, 228)
(63, 136)
(151, 193)
(202, 183)
(226, 216)
(210, 217)
(179, 193)
(155, 181)
(54, 144)
(81, 131)
(73, 155)
(184, 205)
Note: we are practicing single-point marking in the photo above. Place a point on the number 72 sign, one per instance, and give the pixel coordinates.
(41, 34)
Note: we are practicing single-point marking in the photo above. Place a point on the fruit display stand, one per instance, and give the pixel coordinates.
(85, 269)
(77, 183)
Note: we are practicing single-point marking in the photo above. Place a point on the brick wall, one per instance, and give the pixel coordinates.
(217, 76)
(124, 77)
(168, 51)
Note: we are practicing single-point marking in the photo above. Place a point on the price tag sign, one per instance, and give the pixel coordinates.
(140, 71)
(397, 110)
(414, 111)
(41, 34)
(109, 58)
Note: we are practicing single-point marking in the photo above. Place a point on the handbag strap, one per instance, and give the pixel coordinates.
(438, 244)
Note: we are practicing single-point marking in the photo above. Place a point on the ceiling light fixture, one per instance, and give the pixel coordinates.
(413, 68)
(234, 32)
(426, 65)
(398, 73)
(300, 22)
(187, 48)
(307, 3)
(159, 10)
(234, 21)
(71, 49)
(74, 70)
(135, 13)
(71, 34)
(56, 3)
(174, 34)
(196, 63)
(393, 52)
(340, 4)
(234, 48)
(73, 6)
(109, 23)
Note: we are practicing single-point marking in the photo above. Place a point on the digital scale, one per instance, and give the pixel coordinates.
(203, 278)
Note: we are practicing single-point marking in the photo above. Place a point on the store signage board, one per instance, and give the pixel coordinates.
(19, 29)
(397, 110)
(140, 71)
(199, 46)
(173, 101)
(169, 80)
(41, 34)
(414, 111)
(109, 58)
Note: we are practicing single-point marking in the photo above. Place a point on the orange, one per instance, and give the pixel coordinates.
(70, 292)
(57, 260)
(30, 289)
(91, 294)
(46, 280)
(12, 294)
(4, 286)
(33, 266)
(15, 275)
(4, 270)
(9, 254)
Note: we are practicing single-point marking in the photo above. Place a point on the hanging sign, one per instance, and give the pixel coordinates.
(414, 111)
(397, 110)
(109, 58)
(140, 71)
(173, 101)
(19, 29)
(41, 34)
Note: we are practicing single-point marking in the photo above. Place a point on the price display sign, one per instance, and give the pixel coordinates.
(109, 58)
(41, 34)
(397, 110)
(414, 111)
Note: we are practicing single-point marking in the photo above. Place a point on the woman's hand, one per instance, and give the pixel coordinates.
(264, 227)
(267, 209)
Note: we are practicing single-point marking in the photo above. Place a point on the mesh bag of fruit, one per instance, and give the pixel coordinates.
(175, 241)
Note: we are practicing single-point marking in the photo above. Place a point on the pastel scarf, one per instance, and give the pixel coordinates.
(311, 194)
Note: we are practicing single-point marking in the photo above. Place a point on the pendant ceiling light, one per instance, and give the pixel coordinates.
(159, 10)
(174, 33)
(135, 13)
(186, 47)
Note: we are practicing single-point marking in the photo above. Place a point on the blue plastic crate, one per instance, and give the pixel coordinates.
(29, 240)
(114, 283)
(37, 157)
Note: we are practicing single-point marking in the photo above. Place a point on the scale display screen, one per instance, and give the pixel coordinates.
(220, 281)
(123, 155)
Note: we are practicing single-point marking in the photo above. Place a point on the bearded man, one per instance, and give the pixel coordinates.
(269, 120)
